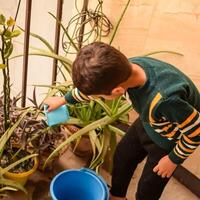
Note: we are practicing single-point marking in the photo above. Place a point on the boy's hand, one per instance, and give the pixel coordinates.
(165, 167)
(54, 102)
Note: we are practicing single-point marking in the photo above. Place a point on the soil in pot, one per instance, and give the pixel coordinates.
(11, 155)
(22, 171)
(81, 147)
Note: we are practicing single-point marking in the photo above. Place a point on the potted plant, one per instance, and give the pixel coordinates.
(7, 33)
(16, 162)
(96, 120)
(24, 135)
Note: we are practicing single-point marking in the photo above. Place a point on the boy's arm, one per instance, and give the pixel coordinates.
(75, 96)
(71, 97)
(188, 122)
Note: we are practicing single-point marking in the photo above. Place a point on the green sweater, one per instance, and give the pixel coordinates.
(168, 105)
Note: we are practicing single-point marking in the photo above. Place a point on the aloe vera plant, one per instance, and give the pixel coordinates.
(96, 119)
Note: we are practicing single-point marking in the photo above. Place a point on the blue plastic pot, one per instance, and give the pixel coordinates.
(78, 184)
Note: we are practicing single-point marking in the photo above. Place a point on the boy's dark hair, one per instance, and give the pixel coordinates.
(99, 68)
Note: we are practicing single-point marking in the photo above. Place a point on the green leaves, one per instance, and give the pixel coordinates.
(7, 31)
(10, 22)
(8, 34)
(15, 33)
(13, 184)
(2, 20)
(5, 137)
(8, 50)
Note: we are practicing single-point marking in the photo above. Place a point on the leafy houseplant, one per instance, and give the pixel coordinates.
(95, 118)
(23, 133)
(7, 151)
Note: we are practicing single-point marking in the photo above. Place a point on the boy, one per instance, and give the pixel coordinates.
(168, 128)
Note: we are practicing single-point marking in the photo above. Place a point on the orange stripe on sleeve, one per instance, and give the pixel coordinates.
(179, 154)
(189, 141)
(153, 104)
(195, 133)
(167, 127)
(171, 134)
(185, 149)
(188, 120)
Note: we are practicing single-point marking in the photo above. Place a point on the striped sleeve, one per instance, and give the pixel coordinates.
(188, 122)
(75, 96)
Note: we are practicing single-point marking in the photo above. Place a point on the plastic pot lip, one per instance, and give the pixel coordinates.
(24, 174)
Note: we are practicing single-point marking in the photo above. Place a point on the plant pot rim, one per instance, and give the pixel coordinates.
(24, 174)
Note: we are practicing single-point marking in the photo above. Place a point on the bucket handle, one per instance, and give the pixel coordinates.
(92, 172)
(88, 170)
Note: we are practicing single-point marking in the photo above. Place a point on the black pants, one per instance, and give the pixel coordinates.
(131, 150)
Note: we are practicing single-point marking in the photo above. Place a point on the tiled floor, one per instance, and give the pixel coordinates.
(38, 186)
(173, 191)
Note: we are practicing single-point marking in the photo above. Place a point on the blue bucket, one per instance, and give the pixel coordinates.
(78, 184)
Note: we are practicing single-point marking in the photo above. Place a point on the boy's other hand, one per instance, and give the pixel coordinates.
(54, 102)
(165, 167)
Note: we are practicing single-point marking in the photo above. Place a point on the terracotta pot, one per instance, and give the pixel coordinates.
(81, 147)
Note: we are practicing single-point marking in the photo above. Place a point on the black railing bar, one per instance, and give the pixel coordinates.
(57, 39)
(26, 51)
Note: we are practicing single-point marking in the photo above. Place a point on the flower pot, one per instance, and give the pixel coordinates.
(22, 177)
(81, 147)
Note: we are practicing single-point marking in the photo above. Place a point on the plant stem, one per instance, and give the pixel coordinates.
(8, 91)
(118, 23)
(5, 85)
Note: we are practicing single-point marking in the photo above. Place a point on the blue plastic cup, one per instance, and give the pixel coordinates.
(78, 184)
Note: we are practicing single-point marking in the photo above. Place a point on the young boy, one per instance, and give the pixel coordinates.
(168, 103)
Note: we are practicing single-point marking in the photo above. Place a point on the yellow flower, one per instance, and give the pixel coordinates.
(10, 22)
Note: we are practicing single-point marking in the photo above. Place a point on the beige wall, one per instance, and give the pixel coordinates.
(152, 25)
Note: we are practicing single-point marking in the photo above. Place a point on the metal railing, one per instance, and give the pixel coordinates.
(26, 46)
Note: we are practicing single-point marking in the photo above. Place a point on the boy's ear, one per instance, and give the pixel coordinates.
(118, 91)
